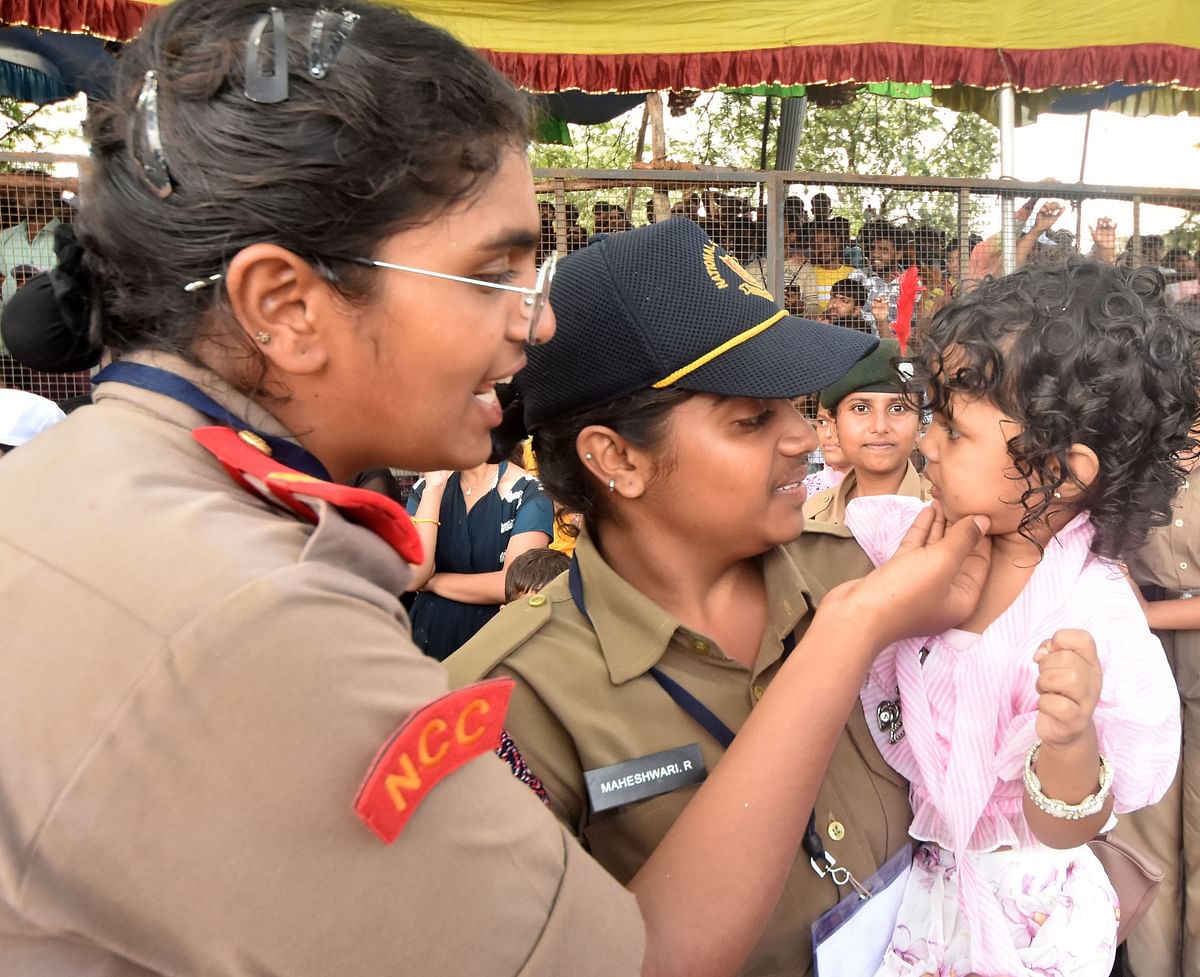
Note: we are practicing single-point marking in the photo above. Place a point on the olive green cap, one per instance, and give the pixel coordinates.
(877, 371)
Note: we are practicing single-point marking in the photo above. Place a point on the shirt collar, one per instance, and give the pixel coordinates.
(634, 632)
(240, 405)
(912, 486)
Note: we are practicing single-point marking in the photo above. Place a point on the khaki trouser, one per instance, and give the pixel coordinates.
(1167, 941)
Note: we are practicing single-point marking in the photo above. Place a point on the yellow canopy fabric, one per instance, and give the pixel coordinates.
(647, 45)
(677, 26)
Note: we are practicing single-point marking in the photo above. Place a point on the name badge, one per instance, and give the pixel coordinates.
(646, 776)
(851, 939)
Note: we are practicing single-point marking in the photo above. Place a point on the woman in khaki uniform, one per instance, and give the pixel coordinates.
(1167, 941)
(309, 234)
(877, 431)
(659, 413)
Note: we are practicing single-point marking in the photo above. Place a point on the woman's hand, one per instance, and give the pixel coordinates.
(436, 480)
(931, 584)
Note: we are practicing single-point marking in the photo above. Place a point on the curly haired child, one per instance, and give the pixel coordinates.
(1062, 401)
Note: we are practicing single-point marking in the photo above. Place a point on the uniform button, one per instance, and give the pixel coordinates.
(1179, 522)
(537, 600)
(836, 831)
(255, 441)
(759, 691)
(700, 647)
(1183, 565)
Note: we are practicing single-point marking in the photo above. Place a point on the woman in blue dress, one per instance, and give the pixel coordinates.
(473, 524)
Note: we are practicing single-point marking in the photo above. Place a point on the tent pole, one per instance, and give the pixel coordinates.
(1087, 130)
(638, 150)
(1008, 231)
(791, 126)
(658, 143)
(766, 135)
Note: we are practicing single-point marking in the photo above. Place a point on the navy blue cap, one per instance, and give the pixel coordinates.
(665, 306)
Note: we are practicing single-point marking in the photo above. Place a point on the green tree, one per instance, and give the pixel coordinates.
(1186, 234)
(898, 137)
(27, 128)
(870, 135)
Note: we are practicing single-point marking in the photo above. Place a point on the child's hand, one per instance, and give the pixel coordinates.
(1068, 685)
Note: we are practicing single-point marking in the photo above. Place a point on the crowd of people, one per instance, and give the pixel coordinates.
(827, 257)
(644, 675)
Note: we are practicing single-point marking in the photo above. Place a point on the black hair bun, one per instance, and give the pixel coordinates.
(46, 325)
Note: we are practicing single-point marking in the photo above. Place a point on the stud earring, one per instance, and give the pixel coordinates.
(263, 337)
(612, 484)
(1058, 495)
(588, 456)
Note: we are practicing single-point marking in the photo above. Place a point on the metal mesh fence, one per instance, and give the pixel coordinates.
(834, 247)
(828, 246)
(37, 194)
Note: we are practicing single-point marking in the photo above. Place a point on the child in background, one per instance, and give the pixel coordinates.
(877, 431)
(836, 465)
(531, 571)
(1062, 401)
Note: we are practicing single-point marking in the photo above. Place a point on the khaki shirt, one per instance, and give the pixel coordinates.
(830, 506)
(193, 685)
(584, 700)
(1170, 558)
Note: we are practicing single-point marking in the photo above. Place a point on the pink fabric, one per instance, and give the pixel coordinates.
(969, 717)
(819, 481)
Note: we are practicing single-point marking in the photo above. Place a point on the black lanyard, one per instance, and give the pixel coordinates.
(813, 846)
(177, 388)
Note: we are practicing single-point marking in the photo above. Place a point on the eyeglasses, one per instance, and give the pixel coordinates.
(534, 300)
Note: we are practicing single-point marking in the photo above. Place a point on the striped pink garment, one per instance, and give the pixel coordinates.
(969, 715)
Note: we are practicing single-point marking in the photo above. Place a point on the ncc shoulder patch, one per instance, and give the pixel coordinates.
(431, 743)
(257, 472)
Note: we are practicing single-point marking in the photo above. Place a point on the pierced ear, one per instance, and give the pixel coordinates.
(610, 458)
(1083, 466)
(277, 299)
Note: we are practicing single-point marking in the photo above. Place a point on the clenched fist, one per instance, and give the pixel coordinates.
(1068, 684)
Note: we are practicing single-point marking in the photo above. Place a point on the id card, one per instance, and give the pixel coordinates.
(852, 937)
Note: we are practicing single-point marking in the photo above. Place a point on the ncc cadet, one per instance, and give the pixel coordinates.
(877, 430)
(659, 414)
(220, 752)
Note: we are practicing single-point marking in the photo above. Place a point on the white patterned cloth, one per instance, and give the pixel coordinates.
(1058, 907)
(822, 479)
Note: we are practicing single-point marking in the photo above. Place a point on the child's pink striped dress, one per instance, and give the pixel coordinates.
(985, 896)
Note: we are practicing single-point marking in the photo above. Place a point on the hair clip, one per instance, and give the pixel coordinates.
(273, 87)
(328, 34)
(202, 283)
(145, 140)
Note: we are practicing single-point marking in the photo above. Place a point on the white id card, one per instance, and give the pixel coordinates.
(852, 937)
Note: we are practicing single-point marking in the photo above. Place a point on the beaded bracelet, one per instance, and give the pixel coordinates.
(1092, 804)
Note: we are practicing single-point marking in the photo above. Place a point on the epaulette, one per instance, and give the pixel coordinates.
(512, 627)
(826, 529)
(247, 459)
